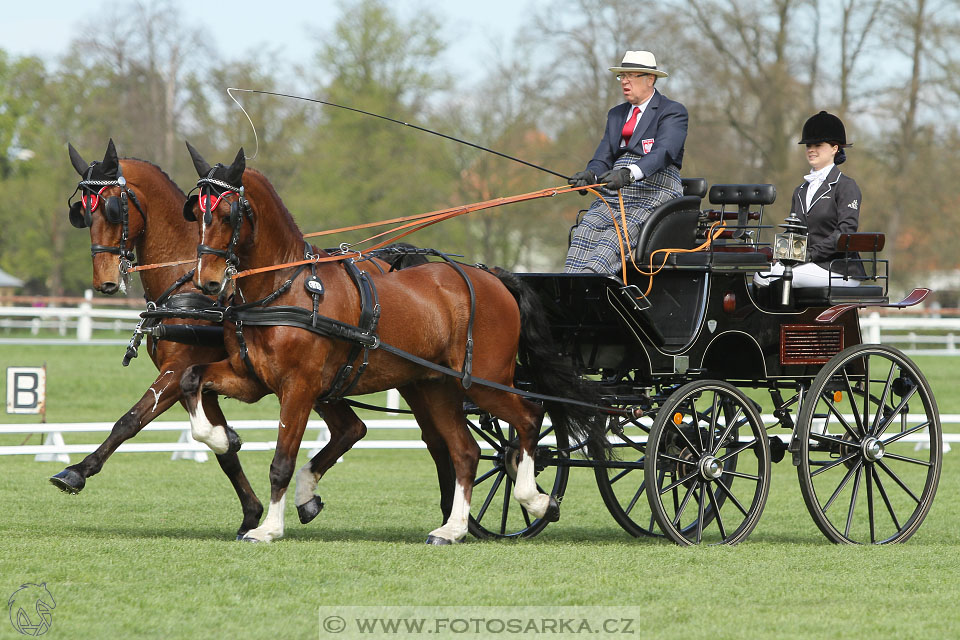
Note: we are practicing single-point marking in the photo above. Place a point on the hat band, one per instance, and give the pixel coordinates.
(636, 65)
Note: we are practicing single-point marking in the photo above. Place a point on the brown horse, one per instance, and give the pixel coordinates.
(150, 227)
(427, 311)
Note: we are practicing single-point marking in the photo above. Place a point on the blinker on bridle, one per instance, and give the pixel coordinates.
(116, 210)
(211, 192)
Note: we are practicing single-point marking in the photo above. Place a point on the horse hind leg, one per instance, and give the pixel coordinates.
(159, 397)
(438, 407)
(346, 429)
(200, 384)
(526, 418)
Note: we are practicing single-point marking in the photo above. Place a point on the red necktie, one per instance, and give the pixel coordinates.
(630, 125)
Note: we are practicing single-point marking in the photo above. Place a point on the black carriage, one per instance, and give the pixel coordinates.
(693, 352)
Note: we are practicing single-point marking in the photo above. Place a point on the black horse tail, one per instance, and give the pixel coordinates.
(551, 374)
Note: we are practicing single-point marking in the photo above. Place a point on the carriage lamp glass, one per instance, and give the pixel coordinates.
(791, 244)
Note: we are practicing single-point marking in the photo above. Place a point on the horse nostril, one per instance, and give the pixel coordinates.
(212, 286)
(108, 287)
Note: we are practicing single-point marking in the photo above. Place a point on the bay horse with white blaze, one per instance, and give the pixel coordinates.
(298, 330)
(134, 211)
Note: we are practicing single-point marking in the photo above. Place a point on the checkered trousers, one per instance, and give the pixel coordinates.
(595, 245)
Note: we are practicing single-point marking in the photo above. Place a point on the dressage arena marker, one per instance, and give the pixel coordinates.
(186, 448)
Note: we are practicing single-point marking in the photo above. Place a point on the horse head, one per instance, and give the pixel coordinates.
(221, 208)
(104, 191)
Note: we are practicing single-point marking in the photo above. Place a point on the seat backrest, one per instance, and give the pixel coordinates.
(673, 225)
(694, 187)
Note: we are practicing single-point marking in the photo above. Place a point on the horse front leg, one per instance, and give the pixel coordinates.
(295, 406)
(346, 429)
(200, 384)
(160, 396)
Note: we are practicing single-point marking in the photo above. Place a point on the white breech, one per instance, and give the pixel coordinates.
(808, 274)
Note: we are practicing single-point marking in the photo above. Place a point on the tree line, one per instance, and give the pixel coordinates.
(749, 71)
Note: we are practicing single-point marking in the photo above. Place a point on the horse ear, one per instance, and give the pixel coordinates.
(235, 170)
(78, 163)
(111, 162)
(201, 165)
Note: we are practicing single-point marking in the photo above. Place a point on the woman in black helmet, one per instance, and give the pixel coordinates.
(828, 202)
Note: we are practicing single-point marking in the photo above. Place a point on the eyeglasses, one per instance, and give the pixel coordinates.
(631, 76)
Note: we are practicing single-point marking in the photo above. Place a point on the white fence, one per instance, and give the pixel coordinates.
(186, 447)
(914, 335)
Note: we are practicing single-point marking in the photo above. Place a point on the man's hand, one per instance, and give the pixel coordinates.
(617, 179)
(582, 179)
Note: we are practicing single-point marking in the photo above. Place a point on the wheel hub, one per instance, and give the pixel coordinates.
(872, 449)
(710, 468)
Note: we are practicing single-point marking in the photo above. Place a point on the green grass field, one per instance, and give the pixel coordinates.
(146, 550)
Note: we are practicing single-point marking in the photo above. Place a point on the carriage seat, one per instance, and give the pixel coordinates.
(853, 246)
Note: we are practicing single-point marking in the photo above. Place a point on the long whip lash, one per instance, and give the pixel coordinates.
(376, 115)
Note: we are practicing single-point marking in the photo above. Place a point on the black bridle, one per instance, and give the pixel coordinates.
(116, 210)
(211, 191)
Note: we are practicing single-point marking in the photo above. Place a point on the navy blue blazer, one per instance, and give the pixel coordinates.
(835, 209)
(663, 126)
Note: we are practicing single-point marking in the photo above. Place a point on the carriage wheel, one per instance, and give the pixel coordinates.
(869, 446)
(622, 489)
(495, 513)
(707, 434)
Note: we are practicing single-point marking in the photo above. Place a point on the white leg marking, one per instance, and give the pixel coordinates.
(525, 490)
(212, 435)
(156, 395)
(306, 484)
(272, 527)
(455, 528)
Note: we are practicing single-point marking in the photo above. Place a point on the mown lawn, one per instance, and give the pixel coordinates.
(147, 549)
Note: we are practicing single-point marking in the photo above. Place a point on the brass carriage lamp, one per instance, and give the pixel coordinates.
(790, 248)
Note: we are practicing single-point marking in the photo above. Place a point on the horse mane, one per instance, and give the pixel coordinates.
(265, 184)
(162, 172)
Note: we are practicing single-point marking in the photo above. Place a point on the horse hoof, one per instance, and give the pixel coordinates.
(553, 511)
(245, 538)
(309, 510)
(233, 440)
(438, 541)
(68, 481)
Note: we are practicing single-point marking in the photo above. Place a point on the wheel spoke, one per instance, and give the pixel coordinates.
(526, 516)
(838, 441)
(842, 420)
(684, 436)
(853, 501)
(695, 415)
(853, 405)
(683, 504)
(506, 506)
(886, 394)
(843, 483)
(897, 479)
(733, 498)
(486, 475)
(894, 456)
(726, 433)
(906, 433)
(716, 511)
(873, 529)
(740, 474)
(614, 479)
(497, 446)
(737, 451)
(886, 500)
(866, 391)
(896, 412)
(490, 494)
(686, 478)
(700, 513)
(831, 465)
(633, 502)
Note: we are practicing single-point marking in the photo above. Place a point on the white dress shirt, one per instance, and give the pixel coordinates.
(815, 179)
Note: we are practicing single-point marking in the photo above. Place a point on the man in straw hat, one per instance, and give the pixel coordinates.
(640, 156)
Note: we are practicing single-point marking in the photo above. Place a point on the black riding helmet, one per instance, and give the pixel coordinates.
(826, 127)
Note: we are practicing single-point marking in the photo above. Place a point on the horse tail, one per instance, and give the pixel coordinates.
(552, 374)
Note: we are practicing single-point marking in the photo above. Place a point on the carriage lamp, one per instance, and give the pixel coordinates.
(791, 244)
(790, 247)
